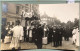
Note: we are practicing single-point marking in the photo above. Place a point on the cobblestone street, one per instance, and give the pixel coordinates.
(25, 45)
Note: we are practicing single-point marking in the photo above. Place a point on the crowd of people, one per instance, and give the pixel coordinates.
(36, 33)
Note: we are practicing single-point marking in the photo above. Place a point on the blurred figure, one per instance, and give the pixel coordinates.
(17, 36)
(45, 30)
(60, 36)
(54, 37)
(25, 36)
(77, 36)
(74, 35)
(67, 33)
(33, 33)
(50, 34)
(39, 35)
(30, 34)
(3, 33)
(9, 28)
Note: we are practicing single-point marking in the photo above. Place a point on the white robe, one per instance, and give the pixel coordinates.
(77, 37)
(17, 35)
(74, 35)
(30, 33)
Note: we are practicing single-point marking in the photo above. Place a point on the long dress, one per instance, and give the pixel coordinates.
(17, 35)
(77, 37)
(74, 35)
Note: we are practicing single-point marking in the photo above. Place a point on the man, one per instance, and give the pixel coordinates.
(25, 36)
(50, 34)
(33, 33)
(17, 36)
(28, 33)
(60, 36)
(57, 36)
(3, 33)
(39, 36)
(54, 38)
(67, 34)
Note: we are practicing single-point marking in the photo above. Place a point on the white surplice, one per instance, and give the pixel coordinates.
(77, 37)
(17, 35)
(74, 35)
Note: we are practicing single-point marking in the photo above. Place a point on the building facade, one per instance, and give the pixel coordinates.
(46, 19)
(13, 11)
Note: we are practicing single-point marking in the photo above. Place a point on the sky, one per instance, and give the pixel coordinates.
(63, 12)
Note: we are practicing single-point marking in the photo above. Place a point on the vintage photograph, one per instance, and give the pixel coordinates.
(40, 26)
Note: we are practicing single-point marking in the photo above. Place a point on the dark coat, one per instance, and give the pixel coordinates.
(60, 34)
(39, 35)
(24, 28)
(4, 32)
(50, 34)
(55, 35)
(67, 34)
(34, 34)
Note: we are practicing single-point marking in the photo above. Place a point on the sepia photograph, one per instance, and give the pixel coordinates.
(40, 26)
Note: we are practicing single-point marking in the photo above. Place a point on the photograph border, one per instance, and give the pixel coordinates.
(36, 2)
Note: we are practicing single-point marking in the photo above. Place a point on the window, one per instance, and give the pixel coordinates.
(4, 8)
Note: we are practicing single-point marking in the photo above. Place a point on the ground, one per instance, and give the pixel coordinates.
(25, 45)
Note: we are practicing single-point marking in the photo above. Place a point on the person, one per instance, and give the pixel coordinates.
(67, 34)
(5, 30)
(50, 34)
(30, 34)
(74, 35)
(39, 36)
(22, 13)
(45, 30)
(33, 34)
(60, 36)
(9, 28)
(77, 37)
(25, 36)
(64, 33)
(17, 36)
(57, 35)
(54, 38)
(3, 33)
(35, 29)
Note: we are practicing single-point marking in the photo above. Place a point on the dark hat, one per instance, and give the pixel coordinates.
(18, 22)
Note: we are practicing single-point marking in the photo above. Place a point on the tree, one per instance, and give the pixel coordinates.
(76, 22)
(69, 24)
